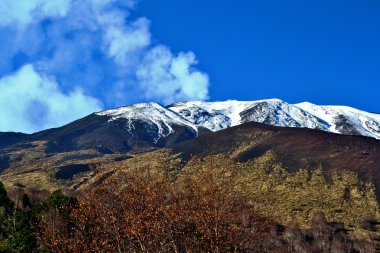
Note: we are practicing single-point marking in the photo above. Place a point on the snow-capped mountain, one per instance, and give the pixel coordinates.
(131, 129)
(148, 126)
(160, 122)
(338, 119)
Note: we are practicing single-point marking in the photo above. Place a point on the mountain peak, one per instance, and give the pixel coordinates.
(157, 119)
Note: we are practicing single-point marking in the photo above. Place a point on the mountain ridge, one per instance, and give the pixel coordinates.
(147, 126)
(337, 119)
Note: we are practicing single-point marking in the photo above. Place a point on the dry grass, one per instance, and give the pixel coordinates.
(270, 188)
(33, 168)
(284, 196)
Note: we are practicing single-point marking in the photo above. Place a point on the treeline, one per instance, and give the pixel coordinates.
(150, 213)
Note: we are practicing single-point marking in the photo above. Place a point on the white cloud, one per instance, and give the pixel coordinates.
(168, 78)
(23, 12)
(91, 44)
(30, 102)
(125, 42)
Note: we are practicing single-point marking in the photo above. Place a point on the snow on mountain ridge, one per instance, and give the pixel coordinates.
(212, 115)
(337, 119)
(220, 115)
(363, 123)
(216, 116)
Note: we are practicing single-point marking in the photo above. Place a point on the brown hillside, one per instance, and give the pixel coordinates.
(295, 148)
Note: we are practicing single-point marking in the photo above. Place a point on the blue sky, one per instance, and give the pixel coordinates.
(64, 59)
(325, 51)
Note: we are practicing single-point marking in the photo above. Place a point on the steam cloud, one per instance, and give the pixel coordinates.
(29, 102)
(169, 78)
(64, 59)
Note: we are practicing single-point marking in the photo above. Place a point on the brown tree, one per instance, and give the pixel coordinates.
(151, 214)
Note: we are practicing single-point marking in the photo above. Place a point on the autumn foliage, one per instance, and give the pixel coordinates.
(151, 214)
(149, 211)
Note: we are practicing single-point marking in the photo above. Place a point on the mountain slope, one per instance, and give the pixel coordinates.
(9, 138)
(286, 172)
(295, 148)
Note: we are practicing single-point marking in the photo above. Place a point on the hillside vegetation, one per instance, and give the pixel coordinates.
(156, 203)
(341, 196)
(253, 188)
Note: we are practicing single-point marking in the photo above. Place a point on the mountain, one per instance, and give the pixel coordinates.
(337, 119)
(131, 129)
(285, 160)
(135, 128)
(147, 126)
(288, 173)
(118, 135)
